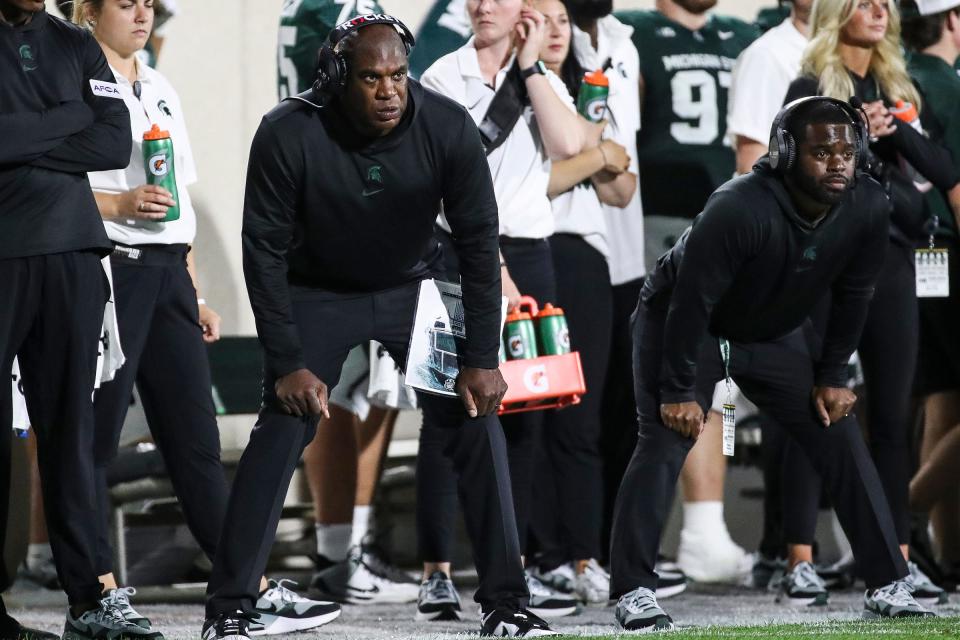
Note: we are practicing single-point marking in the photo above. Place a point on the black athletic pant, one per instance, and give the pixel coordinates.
(531, 268)
(778, 377)
(567, 511)
(618, 437)
(51, 319)
(166, 358)
(330, 325)
(888, 354)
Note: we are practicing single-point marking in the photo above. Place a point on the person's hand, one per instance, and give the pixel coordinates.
(210, 323)
(480, 390)
(686, 418)
(881, 121)
(530, 32)
(509, 289)
(615, 157)
(302, 394)
(833, 403)
(146, 202)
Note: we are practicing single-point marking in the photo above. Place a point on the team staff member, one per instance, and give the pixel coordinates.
(162, 323)
(502, 59)
(357, 167)
(855, 50)
(766, 249)
(59, 117)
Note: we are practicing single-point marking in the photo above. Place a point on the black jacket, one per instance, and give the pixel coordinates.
(751, 269)
(329, 210)
(53, 129)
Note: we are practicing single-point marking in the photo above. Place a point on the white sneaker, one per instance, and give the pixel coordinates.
(561, 579)
(894, 600)
(282, 611)
(353, 581)
(593, 585)
(922, 587)
(548, 603)
(717, 559)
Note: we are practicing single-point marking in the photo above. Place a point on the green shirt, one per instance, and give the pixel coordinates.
(304, 26)
(940, 88)
(681, 146)
(446, 28)
(770, 17)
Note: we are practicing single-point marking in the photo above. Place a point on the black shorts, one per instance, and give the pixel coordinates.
(938, 366)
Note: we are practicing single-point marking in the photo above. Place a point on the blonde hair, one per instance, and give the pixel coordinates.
(83, 9)
(822, 59)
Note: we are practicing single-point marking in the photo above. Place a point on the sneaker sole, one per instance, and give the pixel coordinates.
(820, 600)
(668, 592)
(287, 625)
(873, 615)
(558, 612)
(73, 634)
(443, 615)
(654, 628)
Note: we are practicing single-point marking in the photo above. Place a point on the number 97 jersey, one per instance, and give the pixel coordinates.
(304, 25)
(686, 74)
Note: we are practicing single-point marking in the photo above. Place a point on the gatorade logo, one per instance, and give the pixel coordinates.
(158, 165)
(535, 379)
(515, 346)
(596, 109)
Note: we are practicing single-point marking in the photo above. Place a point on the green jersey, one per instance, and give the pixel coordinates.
(446, 28)
(304, 25)
(770, 17)
(681, 147)
(940, 112)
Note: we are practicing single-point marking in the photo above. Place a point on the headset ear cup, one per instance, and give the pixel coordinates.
(773, 151)
(789, 151)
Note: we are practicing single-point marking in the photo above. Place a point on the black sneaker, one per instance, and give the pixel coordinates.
(106, 622)
(508, 623)
(354, 581)
(234, 625)
(839, 575)
(547, 602)
(10, 629)
(638, 610)
(438, 599)
(282, 610)
(767, 571)
(671, 580)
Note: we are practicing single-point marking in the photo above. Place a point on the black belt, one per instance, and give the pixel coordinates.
(149, 255)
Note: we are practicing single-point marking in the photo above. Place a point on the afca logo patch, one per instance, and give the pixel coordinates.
(105, 89)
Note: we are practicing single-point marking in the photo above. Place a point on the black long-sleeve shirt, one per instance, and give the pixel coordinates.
(752, 269)
(929, 157)
(53, 129)
(329, 210)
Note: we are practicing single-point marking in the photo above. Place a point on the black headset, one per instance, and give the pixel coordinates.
(783, 148)
(332, 66)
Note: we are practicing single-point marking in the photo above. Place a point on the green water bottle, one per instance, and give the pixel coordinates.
(592, 98)
(158, 160)
(553, 331)
(520, 336)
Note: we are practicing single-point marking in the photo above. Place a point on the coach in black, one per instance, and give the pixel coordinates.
(343, 187)
(732, 298)
(60, 116)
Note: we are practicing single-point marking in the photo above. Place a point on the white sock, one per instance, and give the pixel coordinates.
(362, 517)
(333, 541)
(38, 553)
(705, 518)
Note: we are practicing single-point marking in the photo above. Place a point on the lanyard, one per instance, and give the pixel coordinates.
(729, 408)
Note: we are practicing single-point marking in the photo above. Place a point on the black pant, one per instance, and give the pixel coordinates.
(53, 312)
(618, 436)
(167, 360)
(888, 354)
(531, 268)
(329, 326)
(778, 377)
(566, 510)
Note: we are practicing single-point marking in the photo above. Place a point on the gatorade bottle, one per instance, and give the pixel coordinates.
(592, 99)
(552, 327)
(520, 336)
(158, 160)
(906, 112)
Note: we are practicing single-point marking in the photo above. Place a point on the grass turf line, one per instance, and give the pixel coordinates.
(925, 629)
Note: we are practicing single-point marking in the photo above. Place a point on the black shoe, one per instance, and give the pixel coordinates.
(106, 622)
(234, 625)
(508, 623)
(10, 629)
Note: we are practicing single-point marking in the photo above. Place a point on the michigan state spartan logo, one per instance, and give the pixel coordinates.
(374, 181)
(28, 60)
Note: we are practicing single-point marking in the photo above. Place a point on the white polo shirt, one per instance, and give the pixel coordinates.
(761, 77)
(158, 104)
(520, 167)
(622, 228)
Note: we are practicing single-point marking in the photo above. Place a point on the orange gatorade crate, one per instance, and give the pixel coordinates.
(547, 382)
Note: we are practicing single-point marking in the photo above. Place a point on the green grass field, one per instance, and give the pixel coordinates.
(930, 629)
